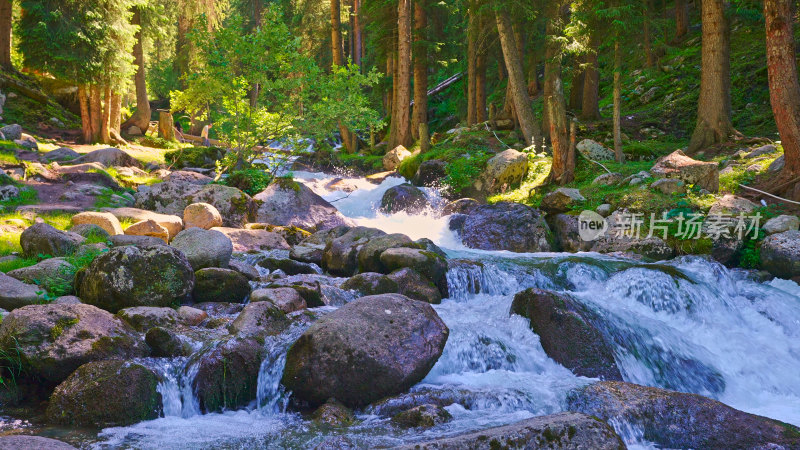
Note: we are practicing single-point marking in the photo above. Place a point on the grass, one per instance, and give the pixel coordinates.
(27, 196)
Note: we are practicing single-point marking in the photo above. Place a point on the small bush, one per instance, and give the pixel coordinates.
(157, 142)
(251, 181)
(194, 157)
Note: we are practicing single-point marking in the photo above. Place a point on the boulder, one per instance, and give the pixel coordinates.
(567, 334)
(368, 349)
(204, 248)
(369, 256)
(460, 206)
(777, 165)
(334, 414)
(423, 416)
(12, 132)
(430, 173)
(731, 205)
(393, 158)
(404, 198)
(288, 203)
(287, 266)
(761, 151)
(369, 283)
(79, 168)
(669, 186)
(165, 343)
(504, 171)
(185, 176)
(133, 130)
(42, 239)
(567, 237)
(142, 318)
(341, 253)
(106, 394)
(54, 340)
(594, 151)
(429, 264)
(148, 228)
(782, 223)
(27, 141)
(780, 254)
(653, 248)
(415, 286)
(49, 273)
(227, 374)
(235, 207)
(90, 231)
(250, 272)
(562, 200)
(260, 319)
(244, 241)
(123, 240)
(567, 430)
(286, 299)
(506, 226)
(16, 294)
(220, 285)
(109, 157)
(311, 249)
(8, 192)
(137, 276)
(25, 442)
(608, 179)
(201, 215)
(173, 224)
(604, 210)
(690, 171)
(677, 420)
(191, 316)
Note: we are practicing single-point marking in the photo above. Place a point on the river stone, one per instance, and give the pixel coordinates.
(369, 257)
(164, 343)
(16, 294)
(287, 266)
(142, 318)
(104, 220)
(286, 299)
(506, 226)
(109, 157)
(137, 276)
(311, 249)
(782, 223)
(678, 420)
(334, 414)
(250, 272)
(123, 240)
(289, 203)
(47, 274)
(201, 215)
(204, 248)
(148, 228)
(415, 286)
(780, 254)
(567, 334)
(220, 285)
(430, 173)
(340, 254)
(504, 171)
(594, 151)
(562, 200)
(690, 171)
(460, 206)
(191, 316)
(369, 283)
(368, 349)
(67, 300)
(244, 241)
(235, 207)
(568, 430)
(54, 340)
(393, 158)
(404, 198)
(429, 264)
(24, 442)
(423, 416)
(262, 319)
(174, 224)
(106, 394)
(8, 192)
(42, 239)
(567, 237)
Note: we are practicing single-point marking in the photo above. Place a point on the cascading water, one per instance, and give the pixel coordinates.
(688, 324)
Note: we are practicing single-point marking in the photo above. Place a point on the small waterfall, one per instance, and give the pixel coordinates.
(272, 397)
(631, 434)
(177, 396)
(468, 278)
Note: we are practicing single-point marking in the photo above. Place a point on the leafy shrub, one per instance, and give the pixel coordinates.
(251, 181)
(157, 142)
(194, 157)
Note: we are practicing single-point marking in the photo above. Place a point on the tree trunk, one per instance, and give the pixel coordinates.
(358, 32)
(714, 108)
(784, 88)
(420, 113)
(105, 119)
(116, 111)
(480, 85)
(166, 126)
(141, 118)
(472, 65)
(533, 75)
(648, 46)
(86, 117)
(96, 112)
(619, 155)
(554, 98)
(578, 81)
(402, 107)
(590, 110)
(5, 34)
(516, 79)
(681, 19)
(336, 33)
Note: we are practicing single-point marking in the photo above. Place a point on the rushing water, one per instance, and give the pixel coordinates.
(688, 324)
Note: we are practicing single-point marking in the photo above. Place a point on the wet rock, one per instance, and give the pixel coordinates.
(106, 393)
(191, 316)
(562, 200)
(42, 239)
(204, 248)
(780, 254)
(288, 203)
(423, 416)
(430, 173)
(216, 309)
(782, 223)
(369, 256)
(567, 334)
(726, 251)
(164, 343)
(293, 235)
(558, 431)
(506, 226)
(137, 276)
(504, 171)
(669, 186)
(340, 254)
(567, 237)
(460, 206)
(394, 157)
(594, 151)
(250, 272)
(201, 215)
(16, 294)
(368, 349)
(244, 241)
(653, 248)
(429, 264)
(54, 340)
(690, 171)
(108, 157)
(220, 285)
(49, 273)
(608, 179)
(142, 318)
(285, 299)
(334, 414)
(310, 249)
(173, 224)
(287, 266)
(404, 198)
(415, 286)
(678, 420)
(24, 442)
(369, 283)
(148, 228)
(260, 319)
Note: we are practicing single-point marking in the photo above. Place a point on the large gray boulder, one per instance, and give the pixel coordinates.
(288, 203)
(311, 249)
(16, 294)
(253, 240)
(172, 198)
(49, 273)
(368, 349)
(594, 150)
(431, 265)
(157, 275)
(690, 171)
(567, 430)
(393, 158)
(506, 226)
(109, 157)
(340, 256)
(562, 200)
(678, 420)
(204, 248)
(780, 254)
(61, 154)
(11, 132)
(430, 173)
(404, 198)
(369, 256)
(220, 285)
(42, 239)
(53, 340)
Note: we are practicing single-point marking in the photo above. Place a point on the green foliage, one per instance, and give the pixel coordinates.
(19, 263)
(27, 196)
(194, 157)
(157, 142)
(251, 181)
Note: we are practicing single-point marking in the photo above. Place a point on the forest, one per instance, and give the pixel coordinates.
(399, 224)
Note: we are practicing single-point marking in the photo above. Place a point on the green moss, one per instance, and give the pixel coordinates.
(62, 325)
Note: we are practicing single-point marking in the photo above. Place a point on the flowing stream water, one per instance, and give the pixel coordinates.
(687, 324)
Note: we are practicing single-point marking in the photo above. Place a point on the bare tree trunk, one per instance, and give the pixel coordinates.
(472, 65)
(86, 119)
(714, 108)
(554, 98)
(784, 88)
(402, 116)
(681, 19)
(516, 79)
(590, 110)
(620, 156)
(578, 81)
(141, 118)
(420, 113)
(480, 85)
(116, 111)
(648, 46)
(96, 112)
(533, 75)
(5, 34)
(357, 32)
(105, 119)
(336, 33)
